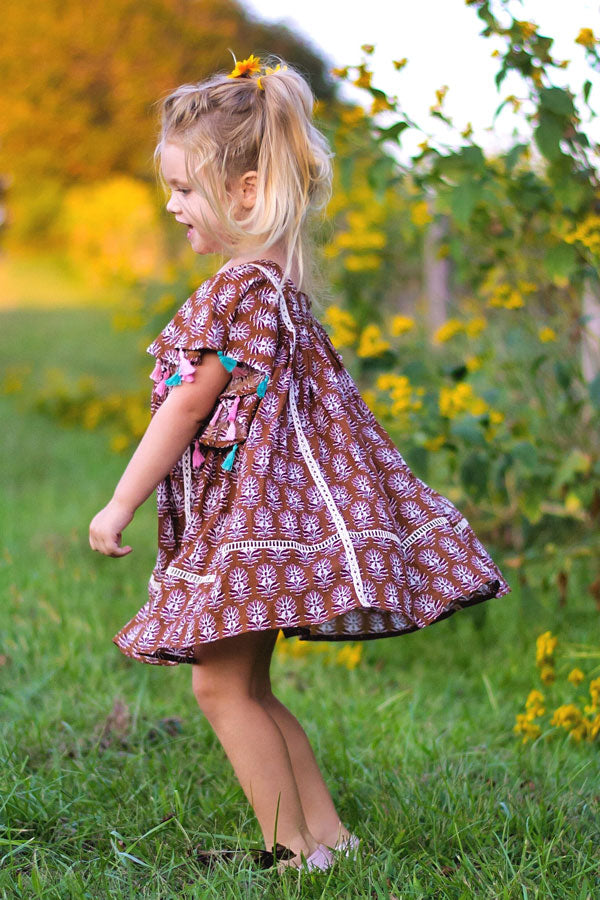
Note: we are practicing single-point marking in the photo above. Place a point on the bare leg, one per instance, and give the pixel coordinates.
(228, 683)
(320, 813)
(319, 810)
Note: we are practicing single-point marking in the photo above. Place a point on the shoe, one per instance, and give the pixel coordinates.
(348, 846)
(322, 858)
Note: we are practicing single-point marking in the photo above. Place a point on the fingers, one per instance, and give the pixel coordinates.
(108, 546)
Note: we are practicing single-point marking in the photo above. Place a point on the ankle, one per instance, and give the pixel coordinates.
(333, 835)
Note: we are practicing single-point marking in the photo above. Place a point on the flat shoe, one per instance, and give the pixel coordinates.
(348, 846)
(321, 858)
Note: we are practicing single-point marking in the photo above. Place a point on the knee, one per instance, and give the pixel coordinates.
(209, 693)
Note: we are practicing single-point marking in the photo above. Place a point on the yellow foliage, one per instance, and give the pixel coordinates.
(372, 342)
(112, 229)
(401, 324)
(455, 400)
(448, 330)
(586, 38)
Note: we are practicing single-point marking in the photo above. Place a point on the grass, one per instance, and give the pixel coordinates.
(111, 778)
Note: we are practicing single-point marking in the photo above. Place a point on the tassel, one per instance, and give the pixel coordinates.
(186, 369)
(261, 389)
(215, 415)
(161, 388)
(156, 374)
(197, 456)
(228, 461)
(228, 361)
(230, 436)
(173, 380)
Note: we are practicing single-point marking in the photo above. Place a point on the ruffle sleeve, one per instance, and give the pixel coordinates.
(236, 314)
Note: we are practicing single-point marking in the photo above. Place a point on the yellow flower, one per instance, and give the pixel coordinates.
(371, 342)
(119, 443)
(545, 646)
(527, 29)
(365, 262)
(473, 363)
(496, 416)
(340, 73)
(401, 324)
(475, 326)
(420, 214)
(595, 692)
(367, 48)
(455, 400)
(448, 330)
(586, 38)
(349, 656)
(547, 674)
(399, 63)
(434, 443)
(525, 727)
(575, 676)
(364, 79)
(246, 67)
(546, 334)
(381, 104)
(567, 716)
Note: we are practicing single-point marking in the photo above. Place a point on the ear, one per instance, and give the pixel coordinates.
(248, 188)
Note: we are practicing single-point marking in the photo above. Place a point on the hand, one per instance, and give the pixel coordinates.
(106, 528)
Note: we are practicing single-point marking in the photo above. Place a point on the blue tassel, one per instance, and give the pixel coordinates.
(261, 389)
(228, 361)
(174, 379)
(228, 461)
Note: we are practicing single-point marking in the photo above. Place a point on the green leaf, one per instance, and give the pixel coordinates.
(393, 132)
(468, 430)
(586, 90)
(474, 472)
(525, 453)
(560, 261)
(557, 101)
(575, 463)
(548, 135)
(463, 200)
(594, 389)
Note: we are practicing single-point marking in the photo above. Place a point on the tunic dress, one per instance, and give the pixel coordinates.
(292, 509)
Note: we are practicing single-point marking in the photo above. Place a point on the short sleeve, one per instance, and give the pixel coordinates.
(235, 312)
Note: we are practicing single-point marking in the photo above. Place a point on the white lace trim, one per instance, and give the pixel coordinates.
(194, 577)
(311, 461)
(186, 462)
(421, 530)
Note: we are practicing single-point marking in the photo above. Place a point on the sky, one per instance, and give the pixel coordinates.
(441, 39)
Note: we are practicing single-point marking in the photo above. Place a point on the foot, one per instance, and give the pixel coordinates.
(334, 839)
(322, 858)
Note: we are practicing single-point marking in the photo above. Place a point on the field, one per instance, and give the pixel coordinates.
(111, 778)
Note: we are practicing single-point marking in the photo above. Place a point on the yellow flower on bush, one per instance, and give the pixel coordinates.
(595, 692)
(496, 416)
(420, 214)
(456, 400)
(586, 38)
(473, 363)
(448, 330)
(535, 704)
(372, 342)
(545, 646)
(575, 676)
(401, 392)
(547, 674)
(526, 727)
(349, 656)
(344, 326)
(475, 326)
(401, 324)
(546, 334)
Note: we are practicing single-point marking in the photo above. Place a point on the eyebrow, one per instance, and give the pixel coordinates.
(175, 181)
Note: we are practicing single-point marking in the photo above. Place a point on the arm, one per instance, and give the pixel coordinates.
(170, 431)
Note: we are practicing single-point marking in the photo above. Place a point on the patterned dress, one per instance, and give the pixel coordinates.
(292, 509)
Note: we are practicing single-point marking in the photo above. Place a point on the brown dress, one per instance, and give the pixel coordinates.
(293, 509)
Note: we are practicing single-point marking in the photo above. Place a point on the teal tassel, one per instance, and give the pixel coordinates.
(228, 461)
(228, 361)
(260, 390)
(174, 379)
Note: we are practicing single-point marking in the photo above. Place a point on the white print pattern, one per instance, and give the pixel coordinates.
(319, 528)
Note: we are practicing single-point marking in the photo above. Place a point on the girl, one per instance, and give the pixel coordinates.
(283, 504)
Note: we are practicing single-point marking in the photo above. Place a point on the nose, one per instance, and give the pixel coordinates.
(172, 205)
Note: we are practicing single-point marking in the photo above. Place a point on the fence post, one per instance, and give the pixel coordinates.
(436, 270)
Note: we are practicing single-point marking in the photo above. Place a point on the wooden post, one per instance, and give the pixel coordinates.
(436, 271)
(590, 337)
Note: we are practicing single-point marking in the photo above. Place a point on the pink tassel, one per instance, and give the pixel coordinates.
(161, 387)
(156, 374)
(230, 436)
(233, 411)
(197, 457)
(215, 415)
(186, 369)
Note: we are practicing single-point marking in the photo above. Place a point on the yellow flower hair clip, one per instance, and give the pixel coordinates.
(246, 67)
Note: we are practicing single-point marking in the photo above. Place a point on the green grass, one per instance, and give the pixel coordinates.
(415, 743)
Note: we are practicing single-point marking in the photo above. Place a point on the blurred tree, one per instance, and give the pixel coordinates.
(80, 79)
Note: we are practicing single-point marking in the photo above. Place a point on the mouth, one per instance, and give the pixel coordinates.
(190, 228)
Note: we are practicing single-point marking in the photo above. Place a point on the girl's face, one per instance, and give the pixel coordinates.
(187, 204)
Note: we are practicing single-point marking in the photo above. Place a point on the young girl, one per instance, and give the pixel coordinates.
(282, 503)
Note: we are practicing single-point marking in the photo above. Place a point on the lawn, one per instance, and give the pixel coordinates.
(111, 778)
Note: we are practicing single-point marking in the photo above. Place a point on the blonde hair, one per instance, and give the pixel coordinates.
(260, 121)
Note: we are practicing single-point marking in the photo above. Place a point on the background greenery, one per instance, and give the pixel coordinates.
(461, 779)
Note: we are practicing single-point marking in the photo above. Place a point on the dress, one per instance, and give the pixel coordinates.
(293, 509)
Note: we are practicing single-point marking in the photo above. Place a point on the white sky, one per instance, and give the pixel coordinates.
(441, 39)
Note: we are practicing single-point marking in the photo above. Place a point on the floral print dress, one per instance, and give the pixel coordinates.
(292, 508)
